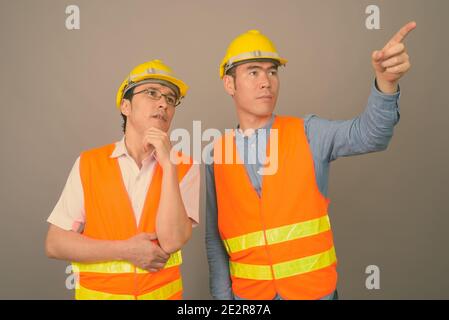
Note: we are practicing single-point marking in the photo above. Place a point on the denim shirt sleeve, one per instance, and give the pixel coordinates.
(371, 131)
(217, 257)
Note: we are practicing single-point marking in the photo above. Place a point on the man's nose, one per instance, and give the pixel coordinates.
(265, 81)
(163, 103)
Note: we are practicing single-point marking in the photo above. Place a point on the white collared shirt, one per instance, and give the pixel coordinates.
(69, 212)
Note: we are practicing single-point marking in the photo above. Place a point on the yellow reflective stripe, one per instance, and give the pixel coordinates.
(162, 293)
(250, 271)
(174, 260)
(283, 269)
(249, 240)
(83, 293)
(103, 267)
(121, 266)
(298, 230)
(304, 265)
(278, 235)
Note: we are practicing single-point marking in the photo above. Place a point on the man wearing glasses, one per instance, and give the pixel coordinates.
(127, 209)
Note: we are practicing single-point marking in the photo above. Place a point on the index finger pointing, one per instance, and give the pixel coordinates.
(405, 30)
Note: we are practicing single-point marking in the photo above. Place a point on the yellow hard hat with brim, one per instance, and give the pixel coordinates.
(152, 71)
(251, 45)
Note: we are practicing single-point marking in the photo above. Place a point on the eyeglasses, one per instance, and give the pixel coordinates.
(156, 95)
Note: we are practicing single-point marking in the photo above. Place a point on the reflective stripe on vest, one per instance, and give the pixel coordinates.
(122, 266)
(278, 235)
(161, 293)
(283, 269)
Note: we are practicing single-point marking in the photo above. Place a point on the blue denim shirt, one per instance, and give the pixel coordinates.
(369, 132)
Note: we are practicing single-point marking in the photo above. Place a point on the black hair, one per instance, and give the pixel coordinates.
(231, 72)
(128, 96)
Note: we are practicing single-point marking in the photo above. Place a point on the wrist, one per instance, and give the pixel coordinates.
(122, 249)
(386, 87)
(169, 167)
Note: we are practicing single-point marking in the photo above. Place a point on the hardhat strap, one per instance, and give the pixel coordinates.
(147, 72)
(153, 80)
(250, 55)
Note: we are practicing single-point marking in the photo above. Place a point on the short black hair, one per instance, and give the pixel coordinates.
(231, 72)
(128, 96)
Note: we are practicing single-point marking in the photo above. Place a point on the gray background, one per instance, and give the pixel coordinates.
(58, 92)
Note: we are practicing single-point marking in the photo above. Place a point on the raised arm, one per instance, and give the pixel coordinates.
(372, 130)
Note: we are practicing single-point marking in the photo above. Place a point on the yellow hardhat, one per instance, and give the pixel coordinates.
(151, 71)
(250, 45)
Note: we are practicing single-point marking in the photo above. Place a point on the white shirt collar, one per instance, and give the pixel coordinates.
(120, 150)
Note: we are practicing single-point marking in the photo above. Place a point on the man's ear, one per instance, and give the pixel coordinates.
(125, 107)
(228, 83)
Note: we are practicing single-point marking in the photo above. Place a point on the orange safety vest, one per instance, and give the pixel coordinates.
(281, 242)
(109, 216)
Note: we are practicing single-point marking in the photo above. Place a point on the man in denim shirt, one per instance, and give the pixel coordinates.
(251, 78)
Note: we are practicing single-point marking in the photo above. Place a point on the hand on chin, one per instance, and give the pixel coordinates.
(156, 123)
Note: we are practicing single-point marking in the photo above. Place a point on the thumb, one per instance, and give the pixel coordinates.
(377, 55)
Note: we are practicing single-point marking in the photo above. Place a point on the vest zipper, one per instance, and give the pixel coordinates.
(270, 261)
